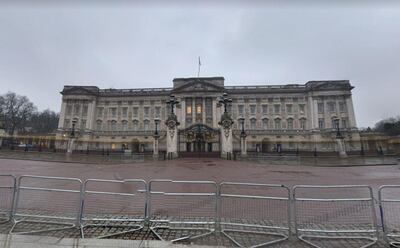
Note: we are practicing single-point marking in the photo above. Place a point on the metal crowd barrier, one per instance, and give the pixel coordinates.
(50, 208)
(7, 195)
(114, 203)
(389, 202)
(183, 205)
(256, 209)
(334, 212)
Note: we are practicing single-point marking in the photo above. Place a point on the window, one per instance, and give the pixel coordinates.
(69, 109)
(290, 124)
(125, 112)
(113, 112)
(240, 109)
(253, 123)
(342, 107)
(113, 126)
(146, 111)
(252, 109)
(189, 110)
(77, 108)
(331, 106)
(84, 110)
(289, 109)
(265, 123)
(303, 124)
(98, 125)
(157, 112)
(344, 122)
(135, 125)
(135, 112)
(83, 124)
(99, 112)
(302, 108)
(320, 107)
(321, 123)
(264, 109)
(146, 125)
(209, 107)
(277, 109)
(278, 123)
(124, 125)
(335, 123)
(198, 109)
(67, 123)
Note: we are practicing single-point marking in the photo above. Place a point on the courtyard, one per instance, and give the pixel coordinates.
(207, 169)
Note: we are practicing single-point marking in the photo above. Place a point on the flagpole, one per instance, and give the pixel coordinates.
(198, 72)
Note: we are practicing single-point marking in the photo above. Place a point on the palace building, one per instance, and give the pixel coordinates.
(274, 118)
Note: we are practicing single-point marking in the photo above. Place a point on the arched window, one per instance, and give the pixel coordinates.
(278, 124)
(135, 125)
(303, 123)
(253, 123)
(124, 125)
(99, 125)
(290, 123)
(265, 123)
(146, 125)
(113, 126)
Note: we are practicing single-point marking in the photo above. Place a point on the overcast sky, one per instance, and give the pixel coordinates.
(126, 44)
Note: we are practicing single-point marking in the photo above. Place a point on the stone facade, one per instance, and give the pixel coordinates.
(292, 117)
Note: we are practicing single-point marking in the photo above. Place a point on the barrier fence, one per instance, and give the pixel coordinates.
(114, 203)
(389, 199)
(335, 212)
(250, 208)
(7, 193)
(53, 202)
(183, 205)
(194, 209)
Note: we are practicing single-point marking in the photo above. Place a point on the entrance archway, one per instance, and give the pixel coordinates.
(199, 140)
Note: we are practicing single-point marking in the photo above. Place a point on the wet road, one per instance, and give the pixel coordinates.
(210, 169)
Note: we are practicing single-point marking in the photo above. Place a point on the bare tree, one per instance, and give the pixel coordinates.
(16, 111)
(44, 122)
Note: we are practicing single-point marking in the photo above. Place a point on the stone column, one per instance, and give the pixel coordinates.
(91, 117)
(350, 111)
(214, 113)
(172, 136)
(62, 115)
(226, 136)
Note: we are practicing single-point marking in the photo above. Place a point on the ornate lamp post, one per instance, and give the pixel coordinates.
(338, 134)
(172, 129)
(224, 100)
(226, 125)
(156, 136)
(72, 134)
(172, 102)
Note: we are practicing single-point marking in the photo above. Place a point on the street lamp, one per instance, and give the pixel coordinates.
(72, 135)
(338, 134)
(225, 101)
(156, 122)
(241, 121)
(172, 102)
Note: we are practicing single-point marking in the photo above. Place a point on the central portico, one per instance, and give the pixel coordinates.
(198, 114)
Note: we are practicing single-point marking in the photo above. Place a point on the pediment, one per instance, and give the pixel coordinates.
(199, 86)
(80, 90)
